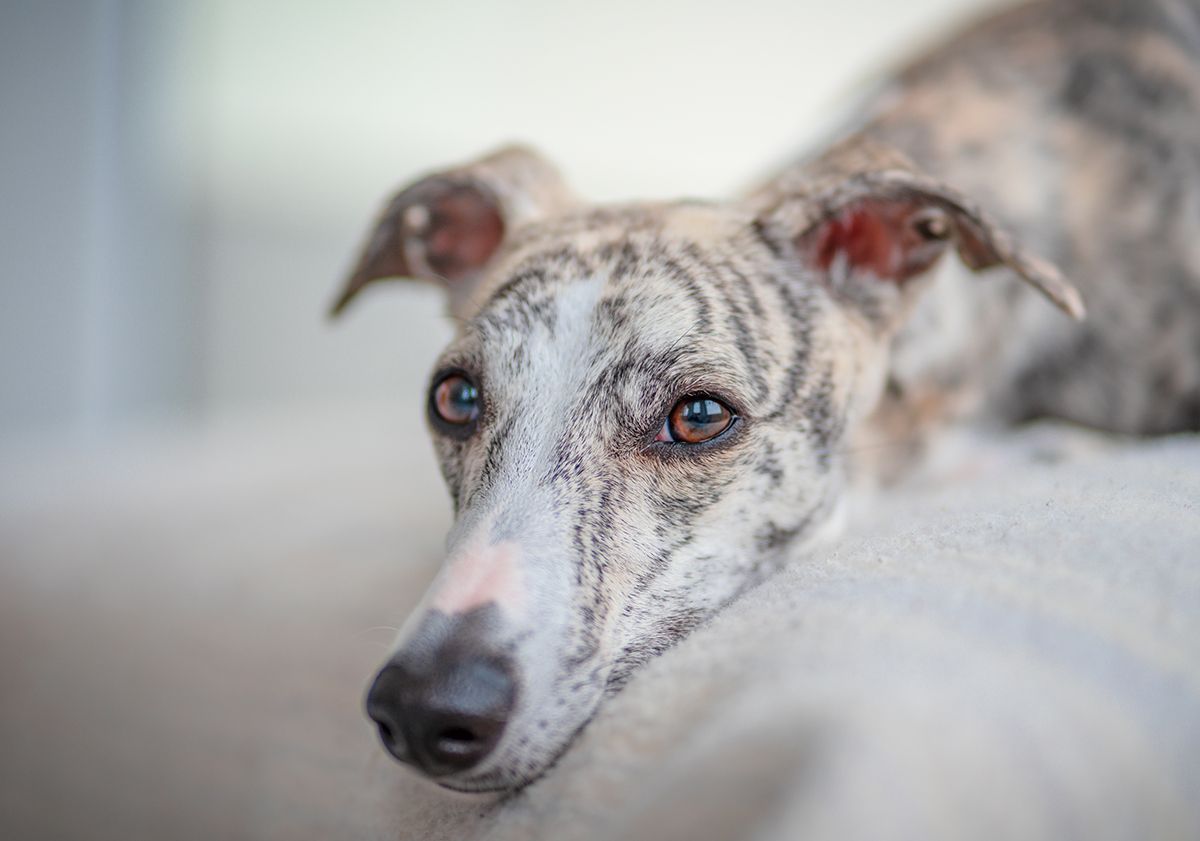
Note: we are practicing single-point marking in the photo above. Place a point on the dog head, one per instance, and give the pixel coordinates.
(639, 418)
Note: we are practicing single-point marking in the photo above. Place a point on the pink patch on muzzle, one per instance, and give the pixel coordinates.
(480, 575)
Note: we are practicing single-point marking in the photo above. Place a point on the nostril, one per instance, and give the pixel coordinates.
(462, 741)
(391, 740)
(393, 743)
(385, 709)
(457, 741)
(457, 734)
(385, 733)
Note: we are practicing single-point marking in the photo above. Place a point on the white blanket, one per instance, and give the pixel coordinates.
(186, 628)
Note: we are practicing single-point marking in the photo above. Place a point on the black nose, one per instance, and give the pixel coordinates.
(443, 715)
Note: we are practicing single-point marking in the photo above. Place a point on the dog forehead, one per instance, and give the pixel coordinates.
(686, 291)
(644, 300)
(575, 326)
(619, 241)
(646, 266)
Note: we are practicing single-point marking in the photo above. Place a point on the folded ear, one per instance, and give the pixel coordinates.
(869, 223)
(446, 227)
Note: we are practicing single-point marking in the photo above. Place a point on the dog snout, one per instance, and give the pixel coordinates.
(444, 714)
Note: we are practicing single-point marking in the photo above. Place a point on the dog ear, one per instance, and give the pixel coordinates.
(869, 223)
(446, 227)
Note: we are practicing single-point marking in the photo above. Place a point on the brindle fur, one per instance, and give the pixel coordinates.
(1073, 123)
(1077, 123)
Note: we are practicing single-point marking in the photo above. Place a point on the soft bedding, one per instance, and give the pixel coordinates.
(1008, 647)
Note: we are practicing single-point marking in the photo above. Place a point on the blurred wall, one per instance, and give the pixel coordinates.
(183, 183)
(102, 286)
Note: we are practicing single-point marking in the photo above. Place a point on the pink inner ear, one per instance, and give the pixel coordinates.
(875, 237)
(466, 229)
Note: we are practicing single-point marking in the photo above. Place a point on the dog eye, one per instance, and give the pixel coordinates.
(455, 401)
(695, 420)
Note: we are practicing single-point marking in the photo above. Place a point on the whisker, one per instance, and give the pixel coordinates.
(685, 334)
(374, 628)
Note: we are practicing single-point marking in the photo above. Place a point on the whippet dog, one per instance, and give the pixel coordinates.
(647, 408)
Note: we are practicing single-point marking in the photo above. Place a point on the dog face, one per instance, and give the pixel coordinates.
(639, 418)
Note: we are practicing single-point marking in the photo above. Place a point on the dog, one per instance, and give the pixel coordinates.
(650, 407)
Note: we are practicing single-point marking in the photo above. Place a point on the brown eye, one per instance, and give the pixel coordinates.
(695, 420)
(455, 401)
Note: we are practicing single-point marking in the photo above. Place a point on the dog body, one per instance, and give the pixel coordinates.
(1076, 123)
(650, 407)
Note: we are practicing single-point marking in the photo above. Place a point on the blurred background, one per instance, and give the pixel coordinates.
(183, 183)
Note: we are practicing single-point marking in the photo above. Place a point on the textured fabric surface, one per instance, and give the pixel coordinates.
(1009, 648)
